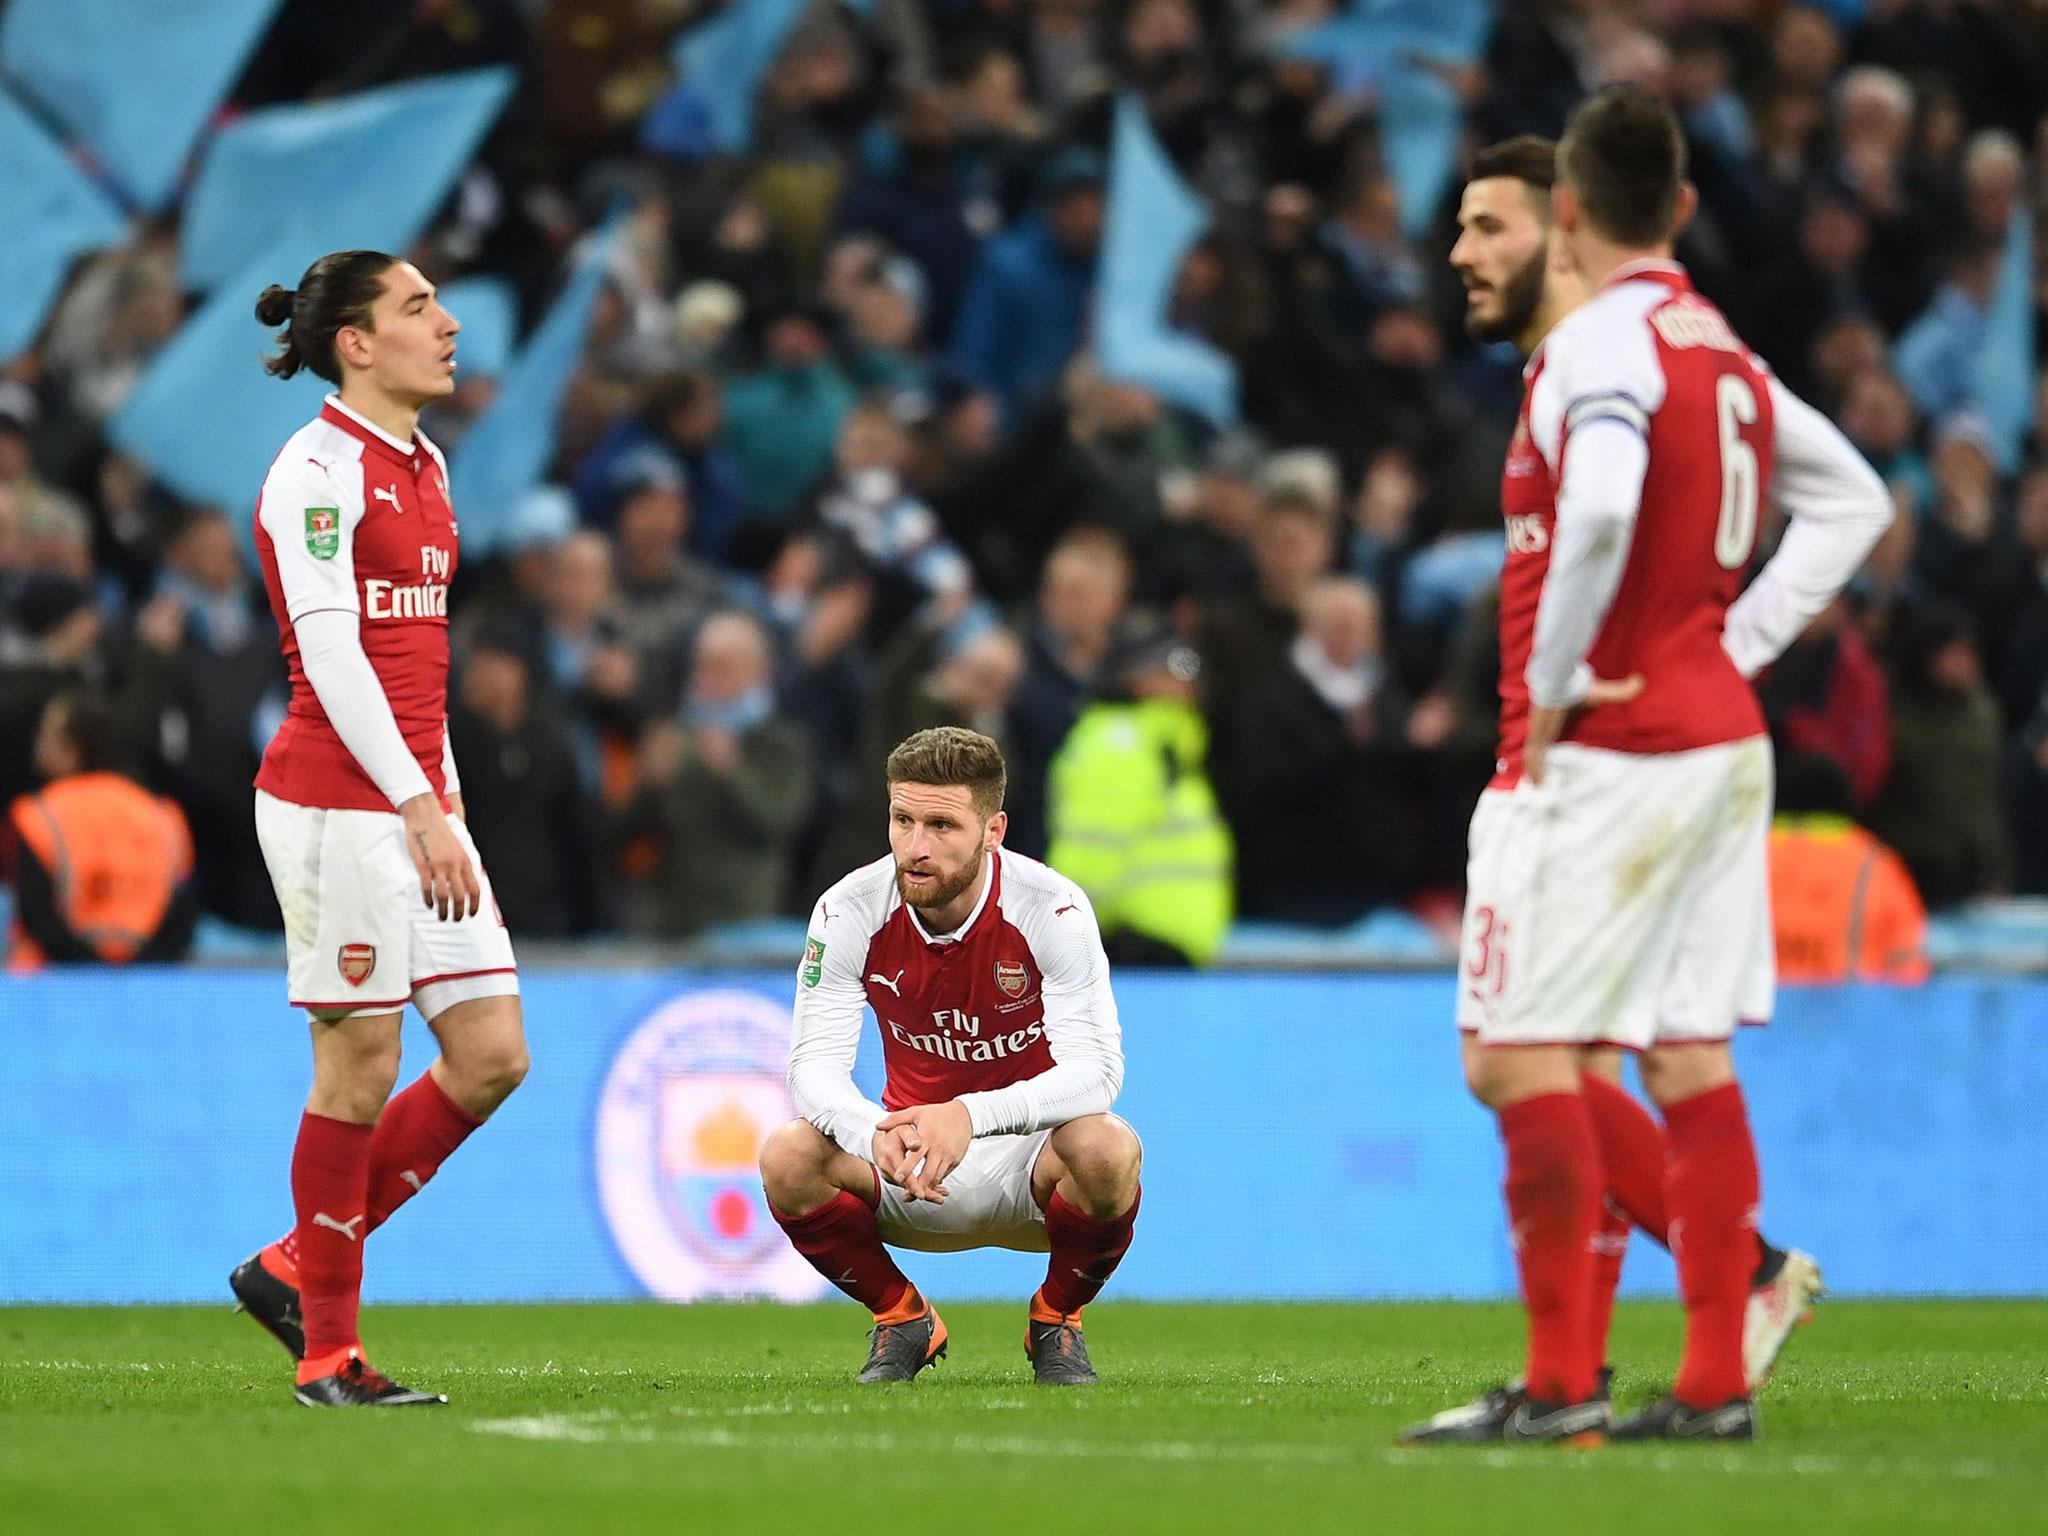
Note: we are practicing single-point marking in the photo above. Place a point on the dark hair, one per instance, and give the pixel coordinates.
(337, 290)
(1624, 156)
(952, 754)
(88, 726)
(1525, 158)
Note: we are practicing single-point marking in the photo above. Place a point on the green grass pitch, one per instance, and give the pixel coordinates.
(1276, 1419)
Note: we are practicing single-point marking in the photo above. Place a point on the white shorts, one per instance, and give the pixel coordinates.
(988, 1202)
(359, 936)
(1623, 901)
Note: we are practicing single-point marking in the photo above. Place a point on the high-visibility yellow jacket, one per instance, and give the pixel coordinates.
(1134, 822)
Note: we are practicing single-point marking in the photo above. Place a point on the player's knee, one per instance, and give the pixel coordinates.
(353, 1081)
(1483, 1075)
(1675, 1073)
(1104, 1158)
(504, 1068)
(793, 1159)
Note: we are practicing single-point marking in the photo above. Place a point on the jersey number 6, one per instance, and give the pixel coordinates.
(1735, 535)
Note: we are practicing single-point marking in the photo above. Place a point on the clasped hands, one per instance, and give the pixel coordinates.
(916, 1148)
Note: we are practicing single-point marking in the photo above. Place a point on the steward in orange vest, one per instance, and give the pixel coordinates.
(1843, 904)
(102, 869)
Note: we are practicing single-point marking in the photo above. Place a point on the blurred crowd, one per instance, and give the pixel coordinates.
(838, 463)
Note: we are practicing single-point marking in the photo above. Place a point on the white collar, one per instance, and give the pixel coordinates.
(1642, 266)
(988, 883)
(408, 449)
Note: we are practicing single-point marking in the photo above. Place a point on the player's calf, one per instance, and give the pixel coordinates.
(810, 1184)
(1088, 1181)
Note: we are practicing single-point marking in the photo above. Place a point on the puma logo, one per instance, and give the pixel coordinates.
(1706, 1426)
(1062, 911)
(893, 985)
(387, 493)
(412, 1178)
(346, 1228)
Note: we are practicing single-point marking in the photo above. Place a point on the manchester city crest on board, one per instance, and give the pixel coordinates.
(689, 1100)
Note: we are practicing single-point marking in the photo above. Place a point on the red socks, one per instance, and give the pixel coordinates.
(1610, 1247)
(1085, 1253)
(1553, 1195)
(1712, 1189)
(417, 1132)
(1632, 1152)
(844, 1245)
(330, 1183)
(1632, 1158)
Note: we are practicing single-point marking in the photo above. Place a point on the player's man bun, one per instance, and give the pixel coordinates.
(1623, 155)
(952, 754)
(336, 291)
(274, 305)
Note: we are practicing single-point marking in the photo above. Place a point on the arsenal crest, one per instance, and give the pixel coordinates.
(1012, 977)
(357, 961)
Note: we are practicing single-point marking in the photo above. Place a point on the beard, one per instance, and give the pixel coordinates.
(1519, 296)
(939, 892)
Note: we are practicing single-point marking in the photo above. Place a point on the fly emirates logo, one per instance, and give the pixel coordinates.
(416, 600)
(956, 1036)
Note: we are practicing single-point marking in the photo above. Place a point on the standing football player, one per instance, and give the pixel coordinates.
(1519, 282)
(359, 810)
(1618, 891)
(986, 972)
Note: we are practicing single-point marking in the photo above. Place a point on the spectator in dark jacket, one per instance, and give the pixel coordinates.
(1320, 743)
(723, 792)
(1941, 808)
(522, 793)
(207, 655)
(1021, 318)
(1825, 697)
(1082, 604)
(911, 193)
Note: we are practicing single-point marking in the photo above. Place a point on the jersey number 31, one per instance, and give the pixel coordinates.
(1735, 535)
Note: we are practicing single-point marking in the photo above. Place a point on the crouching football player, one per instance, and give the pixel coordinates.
(1003, 1055)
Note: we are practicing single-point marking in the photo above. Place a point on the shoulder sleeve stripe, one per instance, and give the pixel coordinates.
(1620, 407)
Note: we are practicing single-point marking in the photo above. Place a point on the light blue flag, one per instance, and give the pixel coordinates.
(206, 418)
(52, 214)
(489, 312)
(135, 80)
(725, 60)
(1152, 222)
(2002, 381)
(508, 451)
(366, 171)
(1373, 48)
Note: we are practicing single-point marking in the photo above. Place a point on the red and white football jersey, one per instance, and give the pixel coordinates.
(1011, 1013)
(352, 519)
(1649, 351)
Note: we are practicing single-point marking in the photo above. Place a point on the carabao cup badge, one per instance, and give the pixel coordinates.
(690, 1098)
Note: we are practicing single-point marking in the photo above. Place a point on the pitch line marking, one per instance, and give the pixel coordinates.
(674, 1429)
